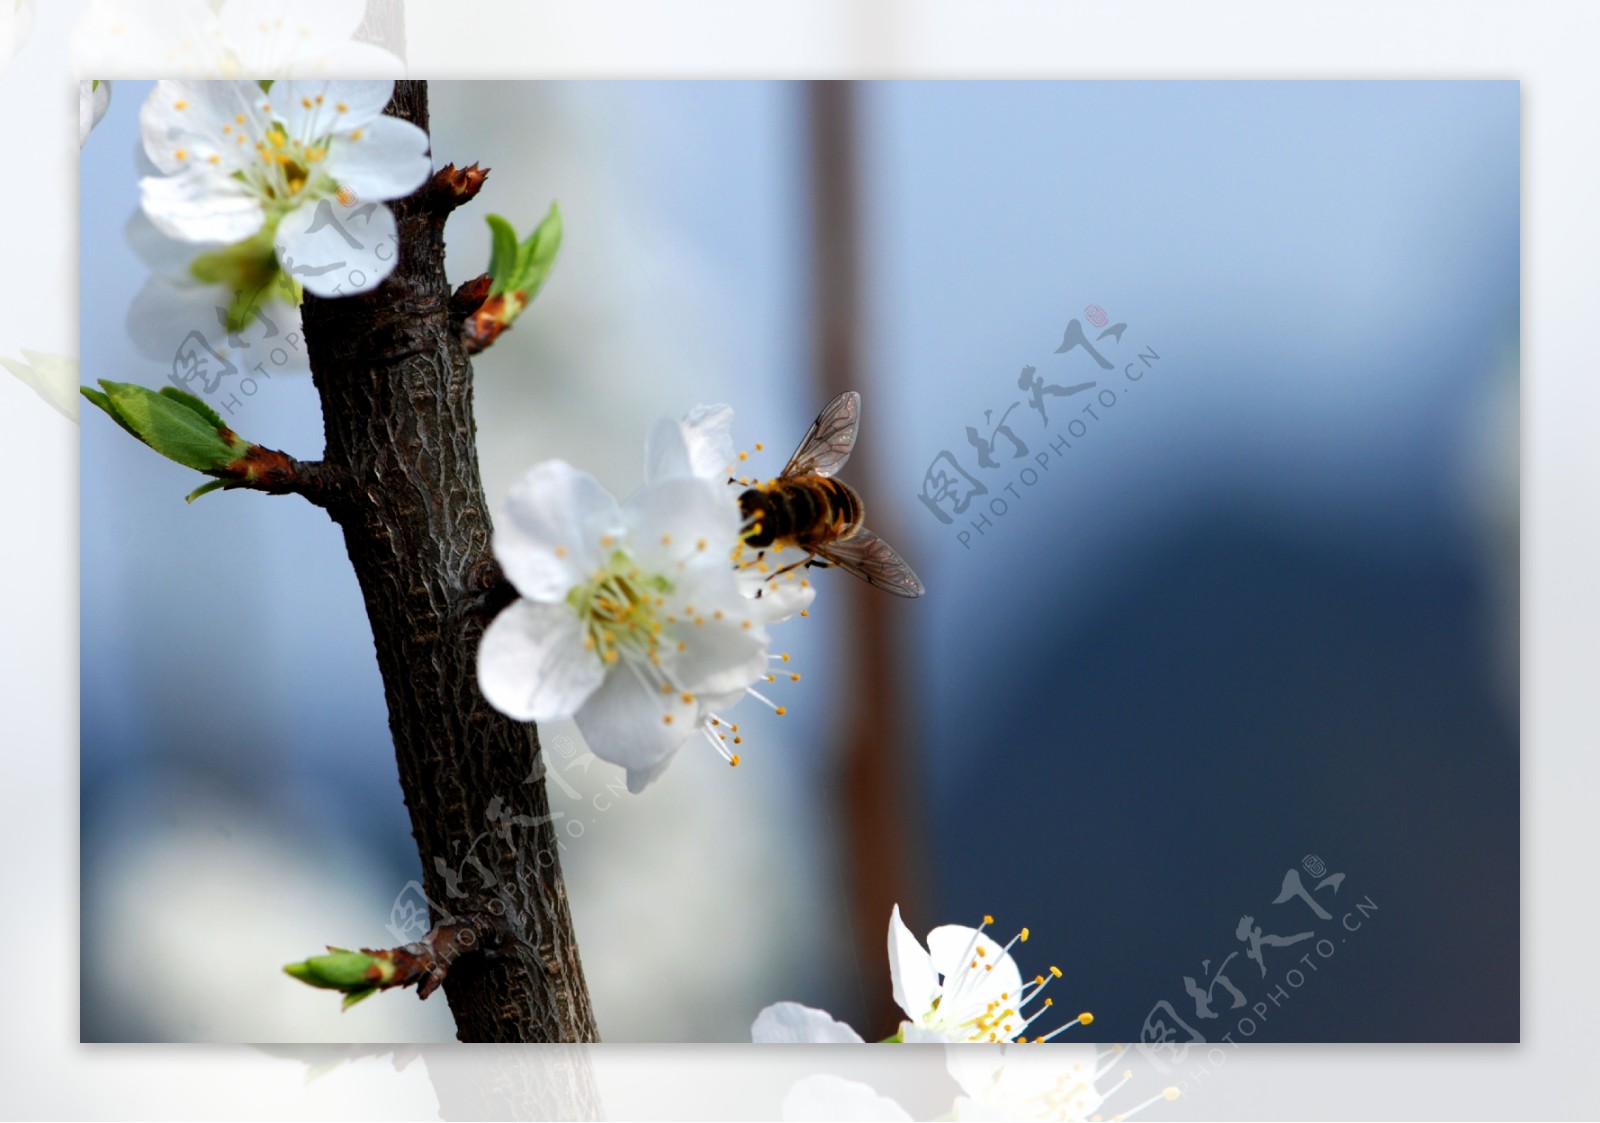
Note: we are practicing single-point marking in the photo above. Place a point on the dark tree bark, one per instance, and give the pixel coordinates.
(400, 477)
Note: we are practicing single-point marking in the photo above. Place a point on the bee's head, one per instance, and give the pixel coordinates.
(757, 529)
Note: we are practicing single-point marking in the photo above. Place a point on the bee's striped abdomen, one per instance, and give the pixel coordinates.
(808, 511)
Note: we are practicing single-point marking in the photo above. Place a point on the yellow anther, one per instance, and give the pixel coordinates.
(181, 154)
(982, 951)
(1024, 936)
(357, 134)
(239, 119)
(342, 107)
(734, 760)
(682, 646)
(744, 624)
(738, 740)
(1085, 1018)
(666, 539)
(611, 655)
(607, 541)
(760, 446)
(1056, 971)
(700, 545)
(666, 719)
(305, 101)
(805, 612)
(180, 104)
(794, 678)
(744, 456)
(666, 688)
(782, 710)
(688, 698)
(784, 656)
(1049, 1002)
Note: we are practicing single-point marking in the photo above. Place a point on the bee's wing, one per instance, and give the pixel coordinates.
(827, 444)
(873, 560)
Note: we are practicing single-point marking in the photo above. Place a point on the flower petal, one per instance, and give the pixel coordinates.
(641, 778)
(708, 433)
(532, 664)
(666, 455)
(790, 1023)
(387, 159)
(549, 536)
(335, 250)
(94, 98)
(199, 206)
(826, 1098)
(910, 970)
(184, 124)
(913, 1033)
(948, 950)
(700, 445)
(626, 722)
(718, 657)
(681, 522)
(300, 35)
(313, 108)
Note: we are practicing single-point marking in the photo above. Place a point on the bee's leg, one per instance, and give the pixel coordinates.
(814, 563)
(808, 561)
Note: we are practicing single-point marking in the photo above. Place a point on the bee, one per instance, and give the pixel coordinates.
(806, 507)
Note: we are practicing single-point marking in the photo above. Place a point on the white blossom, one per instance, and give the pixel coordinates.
(233, 39)
(962, 987)
(630, 618)
(310, 163)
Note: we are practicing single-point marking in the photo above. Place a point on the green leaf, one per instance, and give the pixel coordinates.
(194, 403)
(503, 255)
(205, 489)
(175, 424)
(340, 969)
(537, 255)
(99, 399)
(356, 996)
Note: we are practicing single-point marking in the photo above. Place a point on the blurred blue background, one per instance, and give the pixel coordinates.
(1265, 607)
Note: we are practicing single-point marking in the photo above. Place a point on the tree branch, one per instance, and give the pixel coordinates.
(396, 390)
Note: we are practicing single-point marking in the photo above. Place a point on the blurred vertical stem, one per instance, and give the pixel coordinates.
(396, 389)
(876, 785)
